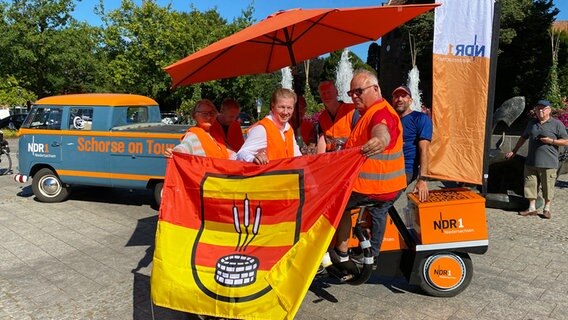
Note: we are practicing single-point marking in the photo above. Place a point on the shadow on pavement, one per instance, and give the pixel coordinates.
(396, 284)
(561, 184)
(144, 235)
(26, 192)
(106, 195)
(143, 308)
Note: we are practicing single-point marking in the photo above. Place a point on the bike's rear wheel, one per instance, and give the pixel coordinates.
(5, 163)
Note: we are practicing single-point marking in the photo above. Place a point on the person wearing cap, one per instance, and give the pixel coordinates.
(417, 134)
(336, 121)
(545, 135)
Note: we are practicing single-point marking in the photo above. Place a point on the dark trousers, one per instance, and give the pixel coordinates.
(378, 213)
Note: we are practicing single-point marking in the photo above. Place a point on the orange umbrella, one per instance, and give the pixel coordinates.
(288, 37)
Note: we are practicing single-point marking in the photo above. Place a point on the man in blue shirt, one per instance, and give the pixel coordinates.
(417, 134)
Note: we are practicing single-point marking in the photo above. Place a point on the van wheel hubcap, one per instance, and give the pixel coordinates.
(50, 186)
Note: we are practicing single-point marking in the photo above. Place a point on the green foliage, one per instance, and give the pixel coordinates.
(552, 89)
(45, 52)
(374, 56)
(45, 48)
(524, 63)
(9, 133)
(12, 94)
(563, 64)
(312, 105)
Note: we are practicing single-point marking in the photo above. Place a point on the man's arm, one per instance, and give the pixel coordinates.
(380, 139)
(421, 186)
(256, 141)
(519, 144)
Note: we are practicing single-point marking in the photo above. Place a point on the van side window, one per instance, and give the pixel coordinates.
(45, 118)
(80, 118)
(137, 115)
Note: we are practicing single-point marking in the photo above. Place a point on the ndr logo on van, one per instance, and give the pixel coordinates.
(38, 147)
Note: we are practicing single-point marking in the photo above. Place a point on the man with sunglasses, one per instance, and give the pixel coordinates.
(545, 134)
(272, 137)
(379, 135)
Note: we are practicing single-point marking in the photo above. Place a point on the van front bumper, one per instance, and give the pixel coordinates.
(21, 178)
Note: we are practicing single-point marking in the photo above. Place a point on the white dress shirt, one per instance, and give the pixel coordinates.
(257, 141)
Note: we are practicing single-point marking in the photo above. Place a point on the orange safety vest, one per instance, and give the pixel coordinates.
(212, 147)
(340, 126)
(234, 137)
(383, 172)
(276, 148)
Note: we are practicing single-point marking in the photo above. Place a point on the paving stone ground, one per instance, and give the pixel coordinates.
(90, 258)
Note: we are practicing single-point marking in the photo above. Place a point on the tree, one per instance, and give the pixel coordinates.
(12, 94)
(563, 64)
(374, 56)
(525, 59)
(552, 88)
(45, 48)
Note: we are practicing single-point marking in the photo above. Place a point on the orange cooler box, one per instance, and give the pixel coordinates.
(450, 215)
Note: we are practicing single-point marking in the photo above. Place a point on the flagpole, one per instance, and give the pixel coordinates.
(491, 93)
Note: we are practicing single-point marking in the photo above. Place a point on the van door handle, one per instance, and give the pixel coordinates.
(55, 144)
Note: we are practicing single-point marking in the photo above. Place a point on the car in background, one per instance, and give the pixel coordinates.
(170, 118)
(245, 119)
(13, 122)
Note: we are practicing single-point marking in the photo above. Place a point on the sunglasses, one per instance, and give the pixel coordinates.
(206, 113)
(358, 91)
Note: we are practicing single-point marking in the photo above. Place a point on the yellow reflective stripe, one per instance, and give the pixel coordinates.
(382, 176)
(387, 156)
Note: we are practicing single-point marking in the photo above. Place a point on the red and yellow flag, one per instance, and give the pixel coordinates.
(239, 240)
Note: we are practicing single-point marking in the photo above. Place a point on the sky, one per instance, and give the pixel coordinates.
(229, 9)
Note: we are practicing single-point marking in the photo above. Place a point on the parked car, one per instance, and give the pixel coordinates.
(245, 119)
(13, 122)
(170, 118)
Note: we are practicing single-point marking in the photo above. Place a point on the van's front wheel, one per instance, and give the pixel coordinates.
(158, 192)
(47, 187)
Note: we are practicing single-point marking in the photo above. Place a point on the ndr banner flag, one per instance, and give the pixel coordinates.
(239, 240)
(462, 47)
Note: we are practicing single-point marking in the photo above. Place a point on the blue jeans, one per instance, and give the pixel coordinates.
(378, 217)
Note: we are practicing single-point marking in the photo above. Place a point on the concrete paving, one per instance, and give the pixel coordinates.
(90, 258)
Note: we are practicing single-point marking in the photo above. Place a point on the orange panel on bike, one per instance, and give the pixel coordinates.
(391, 240)
(449, 215)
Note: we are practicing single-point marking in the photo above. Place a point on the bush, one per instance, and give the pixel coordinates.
(10, 133)
(562, 113)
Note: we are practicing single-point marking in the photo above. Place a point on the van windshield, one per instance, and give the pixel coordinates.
(44, 118)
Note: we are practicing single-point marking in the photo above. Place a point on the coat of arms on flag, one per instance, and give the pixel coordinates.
(239, 240)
